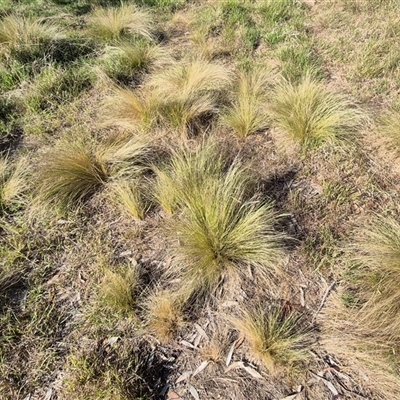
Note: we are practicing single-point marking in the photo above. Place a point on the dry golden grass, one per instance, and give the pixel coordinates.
(130, 110)
(220, 232)
(77, 167)
(390, 128)
(189, 90)
(248, 112)
(114, 23)
(308, 114)
(376, 248)
(164, 313)
(129, 195)
(18, 31)
(13, 182)
(117, 290)
(366, 352)
(71, 173)
(186, 171)
(124, 62)
(275, 337)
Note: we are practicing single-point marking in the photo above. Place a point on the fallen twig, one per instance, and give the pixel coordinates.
(328, 290)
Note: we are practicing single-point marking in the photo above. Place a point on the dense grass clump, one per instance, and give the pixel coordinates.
(189, 91)
(390, 127)
(115, 23)
(124, 63)
(13, 183)
(164, 315)
(117, 290)
(186, 172)
(308, 114)
(248, 112)
(71, 173)
(27, 38)
(130, 109)
(220, 232)
(377, 250)
(274, 336)
(130, 196)
(76, 168)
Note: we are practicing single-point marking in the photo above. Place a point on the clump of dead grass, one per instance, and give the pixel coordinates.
(368, 354)
(114, 23)
(377, 250)
(248, 113)
(117, 290)
(275, 337)
(164, 314)
(390, 128)
(13, 182)
(308, 114)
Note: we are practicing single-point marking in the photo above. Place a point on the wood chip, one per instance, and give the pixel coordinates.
(230, 354)
(173, 396)
(194, 392)
(294, 396)
(328, 290)
(184, 376)
(200, 368)
(302, 299)
(110, 341)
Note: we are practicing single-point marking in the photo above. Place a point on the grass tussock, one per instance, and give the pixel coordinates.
(248, 113)
(369, 353)
(220, 232)
(377, 249)
(115, 23)
(13, 182)
(274, 336)
(17, 32)
(189, 90)
(76, 169)
(390, 128)
(71, 173)
(186, 172)
(133, 110)
(117, 290)
(125, 62)
(308, 114)
(130, 197)
(164, 315)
